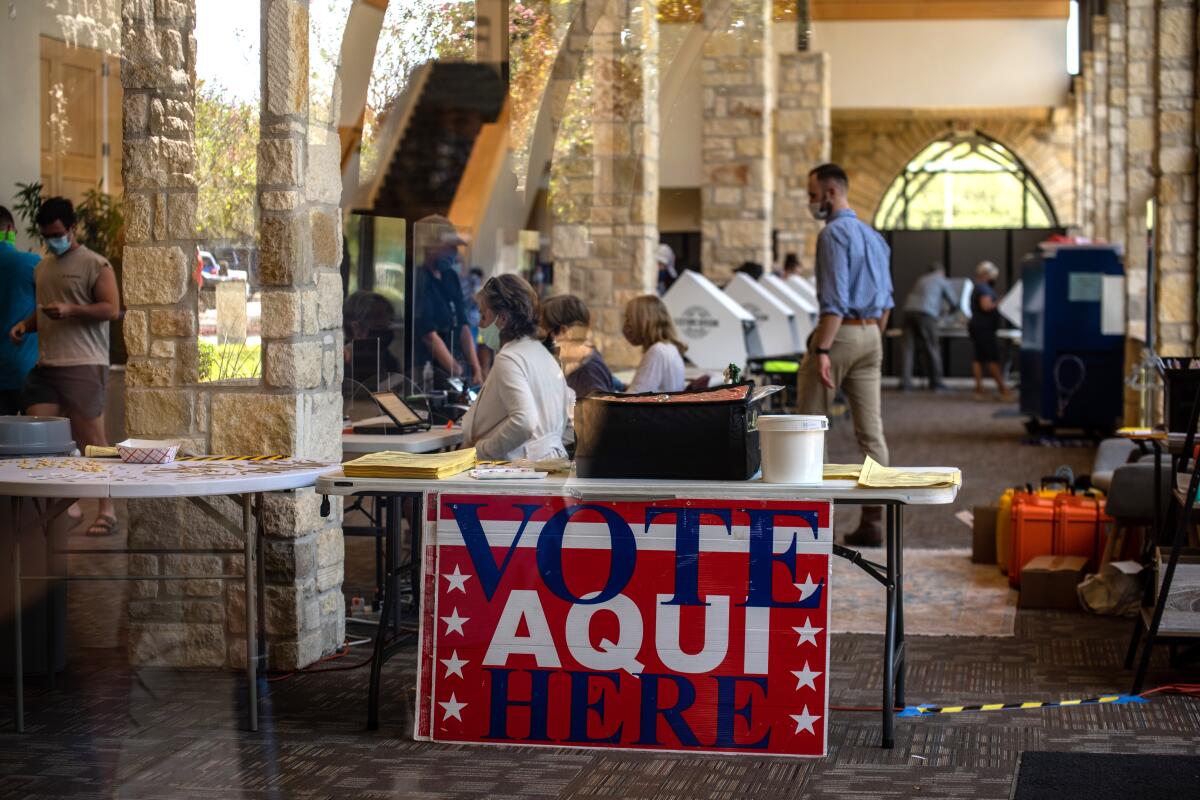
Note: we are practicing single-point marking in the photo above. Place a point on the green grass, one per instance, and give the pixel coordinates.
(229, 361)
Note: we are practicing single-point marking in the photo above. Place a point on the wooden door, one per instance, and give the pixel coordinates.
(81, 120)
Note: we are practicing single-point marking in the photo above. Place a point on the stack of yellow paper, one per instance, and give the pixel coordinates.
(842, 472)
(876, 476)
(410, 465)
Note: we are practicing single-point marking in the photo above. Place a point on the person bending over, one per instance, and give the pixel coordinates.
(648, 325)
(566, 319)
(523, 408)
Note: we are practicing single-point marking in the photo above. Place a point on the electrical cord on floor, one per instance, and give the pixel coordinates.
(1182, 689)
(405, 631)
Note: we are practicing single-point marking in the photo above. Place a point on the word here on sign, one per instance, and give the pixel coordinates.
(683, 625)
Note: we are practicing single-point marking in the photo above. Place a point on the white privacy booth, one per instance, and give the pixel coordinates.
(806, 289)
(805, 312)
(717, 331)
(776, 323)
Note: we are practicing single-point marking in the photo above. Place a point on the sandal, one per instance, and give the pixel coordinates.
(103, 525)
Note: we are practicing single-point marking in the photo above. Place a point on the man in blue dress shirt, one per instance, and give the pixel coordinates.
(854, 289)
(16, 303)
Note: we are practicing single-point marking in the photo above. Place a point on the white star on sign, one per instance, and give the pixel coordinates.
(805, 677)
(804, 720)
(454, 665)
(454, 709)
(455, 623)
(807, 588)
(807, 633)
(457, 580)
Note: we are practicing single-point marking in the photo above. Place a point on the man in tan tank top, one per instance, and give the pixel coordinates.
(76, 299)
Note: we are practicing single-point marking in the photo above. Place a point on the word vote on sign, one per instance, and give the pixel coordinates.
(684, 625)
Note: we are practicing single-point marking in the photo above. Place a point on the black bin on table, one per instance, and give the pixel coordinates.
(706, 434)
(44, 621)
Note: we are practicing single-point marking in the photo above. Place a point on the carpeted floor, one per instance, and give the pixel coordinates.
(944, 595)
(108, 731)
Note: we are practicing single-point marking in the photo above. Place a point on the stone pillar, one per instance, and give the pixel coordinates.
(1117, 138)
(1099, 137)
(737, 80)
(172, 622)
(1175, 163)
(1087, 162)
(803, 135)
(298, 408)
(295, 409)
(1139, 154)
(604, 182)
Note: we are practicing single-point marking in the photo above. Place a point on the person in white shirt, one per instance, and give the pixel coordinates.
(648, 325)
(523, 408)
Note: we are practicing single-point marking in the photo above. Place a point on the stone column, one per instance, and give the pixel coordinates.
(737, 80)
(1139, 154)
(295, 409)
(803, 135)
(604, 183)
(1117, 138)
(1175, 163)
(1099, 135)
(171, 622)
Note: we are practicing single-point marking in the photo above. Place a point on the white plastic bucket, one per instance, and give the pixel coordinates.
(793, 447)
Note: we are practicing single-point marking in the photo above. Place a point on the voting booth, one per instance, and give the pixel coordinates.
(693, 625)
(805, 312)
(717, 331)
(806, 289)
(775, 322)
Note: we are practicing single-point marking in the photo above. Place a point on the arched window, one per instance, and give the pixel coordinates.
(965, 181)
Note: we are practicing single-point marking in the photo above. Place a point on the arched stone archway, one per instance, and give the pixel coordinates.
(874, 147)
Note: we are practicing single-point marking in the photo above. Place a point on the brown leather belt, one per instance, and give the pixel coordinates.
(849, 321)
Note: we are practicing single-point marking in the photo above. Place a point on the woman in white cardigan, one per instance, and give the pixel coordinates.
(523, 407)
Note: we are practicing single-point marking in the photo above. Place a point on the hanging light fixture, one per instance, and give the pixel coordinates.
(803, 26)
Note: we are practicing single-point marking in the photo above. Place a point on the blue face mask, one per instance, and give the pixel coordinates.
(58, 244)
(490, 336)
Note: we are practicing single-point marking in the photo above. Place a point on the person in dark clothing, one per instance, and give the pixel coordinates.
(985, 321)
(566, 318)
(923, 309)
(369, 326)
(440, 323)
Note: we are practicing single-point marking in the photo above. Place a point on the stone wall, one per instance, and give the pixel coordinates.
(295, 409)
(604, 174)
(737, 76)
(803, 134)
(1175, 163)
(1138, 156)
(1098, 142)
(875, 146)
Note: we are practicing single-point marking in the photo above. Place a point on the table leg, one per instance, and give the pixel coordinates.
(51, 590)
(251, 611)
(902, 659)
(18, 656)
(1148, 547)
(889, 638)
(418, 524)
(394, 529)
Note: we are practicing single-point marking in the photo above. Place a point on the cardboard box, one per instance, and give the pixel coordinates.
(983, 541)
(1050, 581)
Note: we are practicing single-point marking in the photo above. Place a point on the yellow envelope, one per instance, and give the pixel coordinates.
(877, 476)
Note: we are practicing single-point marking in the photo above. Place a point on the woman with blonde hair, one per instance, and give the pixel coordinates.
(984, 322)
(648, 325)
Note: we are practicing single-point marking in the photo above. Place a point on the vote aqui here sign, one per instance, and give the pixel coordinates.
(683, 625)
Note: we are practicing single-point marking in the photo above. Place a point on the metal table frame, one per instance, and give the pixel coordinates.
(47, 510)
(890, 575)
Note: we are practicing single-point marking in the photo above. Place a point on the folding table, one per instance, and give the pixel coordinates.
(840, 492)
(52, 484)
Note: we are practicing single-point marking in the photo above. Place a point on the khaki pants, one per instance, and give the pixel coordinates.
(856, 365)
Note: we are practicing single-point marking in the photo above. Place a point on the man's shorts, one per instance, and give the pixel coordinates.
(78, 390)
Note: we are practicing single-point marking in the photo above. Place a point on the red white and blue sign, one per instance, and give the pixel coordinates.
(678, 625)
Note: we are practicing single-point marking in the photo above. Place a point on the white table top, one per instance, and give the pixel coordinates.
(38, 476)
(430, 441)
(335, 483)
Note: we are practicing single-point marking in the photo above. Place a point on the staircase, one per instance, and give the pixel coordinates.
(425, 169)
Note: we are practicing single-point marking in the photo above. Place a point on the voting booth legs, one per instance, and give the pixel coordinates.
(889, 575)
(45, 511)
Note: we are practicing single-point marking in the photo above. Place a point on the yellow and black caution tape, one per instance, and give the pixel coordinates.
(275, 457)
(1111, 699)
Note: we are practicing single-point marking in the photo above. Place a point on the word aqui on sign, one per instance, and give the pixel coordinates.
(683, 625)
